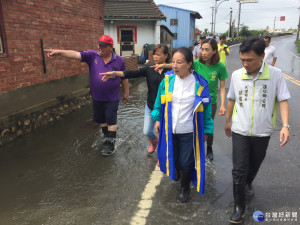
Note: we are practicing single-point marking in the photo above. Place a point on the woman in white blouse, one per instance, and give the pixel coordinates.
(182, 112)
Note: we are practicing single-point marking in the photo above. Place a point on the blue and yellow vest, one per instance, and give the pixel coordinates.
(202, 122)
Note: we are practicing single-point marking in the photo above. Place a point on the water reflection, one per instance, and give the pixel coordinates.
(59, 176)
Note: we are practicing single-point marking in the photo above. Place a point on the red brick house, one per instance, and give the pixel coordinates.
(27, 78)
(28, 26)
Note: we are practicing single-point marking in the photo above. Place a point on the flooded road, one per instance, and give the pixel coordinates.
(58, 176)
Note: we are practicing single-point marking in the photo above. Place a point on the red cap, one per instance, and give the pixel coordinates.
(105, 40)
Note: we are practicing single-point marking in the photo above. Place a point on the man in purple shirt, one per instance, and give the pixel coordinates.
(106, 95)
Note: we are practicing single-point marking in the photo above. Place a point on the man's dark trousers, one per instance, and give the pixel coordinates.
(248, 153)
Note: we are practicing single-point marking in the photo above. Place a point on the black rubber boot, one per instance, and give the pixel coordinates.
(177, 172)
(105, 134)
(238, 214)
(105, 131)
(249, 190)
(209, 153)
(109, 147)
(184, 194)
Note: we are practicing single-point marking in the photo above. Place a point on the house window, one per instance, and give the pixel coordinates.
(129, 34)
(3, 48)
(175, 36)
(173, 22)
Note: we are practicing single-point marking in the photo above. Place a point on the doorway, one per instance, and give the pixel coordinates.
(127, 42)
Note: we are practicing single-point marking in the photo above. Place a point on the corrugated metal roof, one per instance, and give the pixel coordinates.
(132, 10)
(194, 13)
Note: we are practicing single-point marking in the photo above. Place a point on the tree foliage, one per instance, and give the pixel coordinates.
(244, 31)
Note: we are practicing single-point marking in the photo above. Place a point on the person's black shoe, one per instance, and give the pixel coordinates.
(184, 195)
(185, 180)
(209, 153)
(109, 147)
(249, 190)
(238, 214)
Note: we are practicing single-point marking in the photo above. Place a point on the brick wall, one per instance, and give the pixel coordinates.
(61, 24)
(132, 62)
(150, 58)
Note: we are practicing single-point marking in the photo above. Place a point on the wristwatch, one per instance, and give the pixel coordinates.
(286, 125)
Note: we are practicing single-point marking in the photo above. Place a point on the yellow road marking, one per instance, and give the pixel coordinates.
(297, 82)
(145, 204)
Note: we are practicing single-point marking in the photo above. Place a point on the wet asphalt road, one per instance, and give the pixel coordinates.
(57, 175)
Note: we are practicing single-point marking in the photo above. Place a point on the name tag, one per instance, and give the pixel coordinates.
(205, 99)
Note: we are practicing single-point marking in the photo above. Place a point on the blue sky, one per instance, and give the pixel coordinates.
(254, 15)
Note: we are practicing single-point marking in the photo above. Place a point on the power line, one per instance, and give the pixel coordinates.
(264, 9)
(197, 1)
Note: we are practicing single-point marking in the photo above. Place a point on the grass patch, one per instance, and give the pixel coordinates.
(298, 44)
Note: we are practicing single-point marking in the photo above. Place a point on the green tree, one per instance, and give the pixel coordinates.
(298, 44)
(244, 31)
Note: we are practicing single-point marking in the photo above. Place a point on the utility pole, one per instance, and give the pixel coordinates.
(216, 10)
(240, 7)
(232, 28)
(212, 20)
(297, 38)
(215, 20)
(238, 28)
(229, 30)
(274, 25)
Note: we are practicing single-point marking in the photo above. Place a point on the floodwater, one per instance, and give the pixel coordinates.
(58, 176)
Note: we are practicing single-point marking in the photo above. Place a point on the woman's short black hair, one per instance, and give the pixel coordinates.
(267, 37)
(188, 55)
(257, 45)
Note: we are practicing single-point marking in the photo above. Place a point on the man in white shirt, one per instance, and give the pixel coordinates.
(254, 92)
(270, 52)
(197, 49)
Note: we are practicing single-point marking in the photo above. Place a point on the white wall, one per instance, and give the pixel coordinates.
(147, 32)
(157, 32)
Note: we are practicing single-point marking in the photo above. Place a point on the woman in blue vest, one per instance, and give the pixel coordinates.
(182, 112)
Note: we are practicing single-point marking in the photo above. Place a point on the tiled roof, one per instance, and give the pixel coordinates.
(132, 10)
